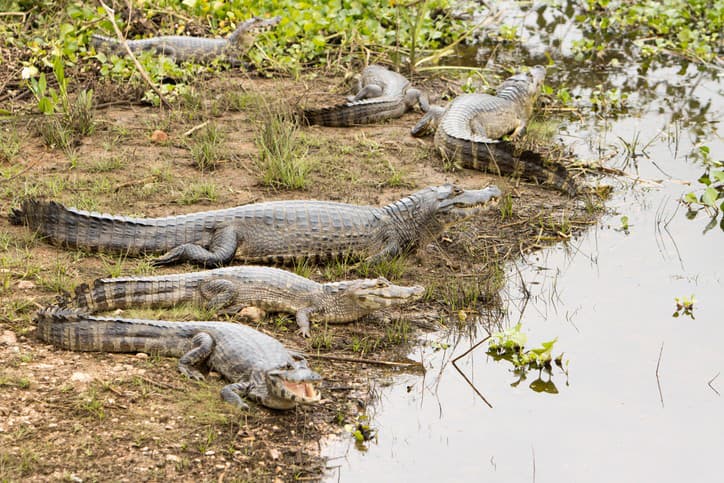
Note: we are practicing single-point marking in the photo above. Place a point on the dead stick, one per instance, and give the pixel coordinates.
(162, 385)
(195, 128)
(658, 382)
(712, 387)
(470, 383)
(139, 67)
(133, 182)
(367, 361)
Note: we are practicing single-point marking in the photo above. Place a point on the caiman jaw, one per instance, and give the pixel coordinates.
(294, 385)
(305, 391)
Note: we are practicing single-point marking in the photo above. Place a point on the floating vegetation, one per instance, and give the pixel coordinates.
(509, 345)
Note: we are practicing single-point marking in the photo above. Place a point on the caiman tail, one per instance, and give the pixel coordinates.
(96, 231)
(357, 112)
(141, 292)
(75, 330)
(500, 158)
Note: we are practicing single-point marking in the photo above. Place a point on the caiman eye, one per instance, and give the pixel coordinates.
(457, 191)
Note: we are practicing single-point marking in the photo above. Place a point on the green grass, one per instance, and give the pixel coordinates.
(9, 144)
(282, 157)
(198, 192)
(207, 148)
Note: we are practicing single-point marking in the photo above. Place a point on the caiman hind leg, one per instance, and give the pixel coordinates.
(221, 251)
(221, 295)
(203, 346)
(367, 92)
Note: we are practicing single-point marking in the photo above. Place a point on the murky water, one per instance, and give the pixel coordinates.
(642, 401)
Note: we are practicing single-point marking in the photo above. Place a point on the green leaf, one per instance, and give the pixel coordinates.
(710, 196)
(690, 198)
(704, 179)
(718, 175)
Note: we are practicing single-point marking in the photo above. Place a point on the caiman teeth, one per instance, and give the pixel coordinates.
(303, 390)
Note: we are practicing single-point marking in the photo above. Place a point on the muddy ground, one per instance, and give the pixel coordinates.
(130, 417)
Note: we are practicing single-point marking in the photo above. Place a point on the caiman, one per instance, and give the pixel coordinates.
(230, 289)
(275, 231)
(194, 49)
(259, 367)
(470, 132)
(381, 94)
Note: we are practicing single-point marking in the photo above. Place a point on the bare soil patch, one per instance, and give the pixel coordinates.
(128, 417)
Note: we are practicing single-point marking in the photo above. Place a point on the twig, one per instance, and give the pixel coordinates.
(133, 182)
(139, 67)
(162, 385)
(195, 128)
(22, 171)
(367, 361)
(658, 382)
(712, 387)
(470, 383)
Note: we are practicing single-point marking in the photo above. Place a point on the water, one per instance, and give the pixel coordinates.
(642, 398)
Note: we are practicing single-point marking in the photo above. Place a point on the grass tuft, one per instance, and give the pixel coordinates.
(282, 159)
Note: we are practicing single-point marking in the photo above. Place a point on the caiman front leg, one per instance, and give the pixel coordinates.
(303, 321)
(221, 251)
(416, 96)
(230, 393)
(203, 345)
(429, 122)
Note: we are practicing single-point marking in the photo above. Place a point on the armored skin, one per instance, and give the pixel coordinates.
(230, 289)
(258, 366)
(194, 49)
(381, 94)
(276, 231)
(470, 131)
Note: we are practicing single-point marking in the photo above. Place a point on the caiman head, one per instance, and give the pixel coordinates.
(523, 87)
(291, 385)
(247, 31)
(351, 299)
(447, 204)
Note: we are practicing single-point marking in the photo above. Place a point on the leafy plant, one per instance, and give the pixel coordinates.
(509, 345)
(711, 200)
(691, 28)
(684, 306)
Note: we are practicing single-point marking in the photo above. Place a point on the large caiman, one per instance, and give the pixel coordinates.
(259, 367)
(381, 94)
(231, 289)
(194, 49)
(470, 131)
(275, 231)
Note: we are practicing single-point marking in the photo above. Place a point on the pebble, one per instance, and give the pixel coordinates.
(8, 337)
(172, 457)
(81, 377)
(159, 136)
(26, 285)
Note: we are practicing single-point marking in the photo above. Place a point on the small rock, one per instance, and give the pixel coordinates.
(274, 454)
(253, 314)
(172, 457)
(8, 337)
(81, 377)
(210, 453)
(159, 136)
(26, 285)
(142, 355)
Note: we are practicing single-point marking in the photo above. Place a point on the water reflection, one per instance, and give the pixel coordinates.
(608, 298)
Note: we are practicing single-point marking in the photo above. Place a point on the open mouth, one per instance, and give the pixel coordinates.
(303, 390)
